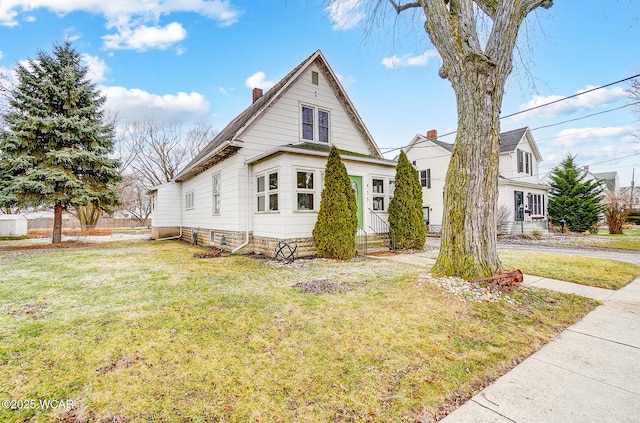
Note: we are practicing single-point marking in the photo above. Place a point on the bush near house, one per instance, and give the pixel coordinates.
(634, 217)
(334, 233)
(405, 208)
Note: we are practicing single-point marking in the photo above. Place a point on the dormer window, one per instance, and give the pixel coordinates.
(315, 124)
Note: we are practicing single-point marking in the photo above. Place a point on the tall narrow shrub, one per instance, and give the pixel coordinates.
(405, 209)
(335, 230)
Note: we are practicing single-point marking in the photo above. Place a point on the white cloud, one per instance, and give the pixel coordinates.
(145, 37)
(345, 14)
(136, 21)
(258, 80)
(573, 137)
(135, 104)
(409, 60)
(588, 101)
(225, 91)
(97, 68)
(346, 80)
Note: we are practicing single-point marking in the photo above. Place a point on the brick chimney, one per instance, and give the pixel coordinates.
(586, 168)
(432, 134)
(257, 93)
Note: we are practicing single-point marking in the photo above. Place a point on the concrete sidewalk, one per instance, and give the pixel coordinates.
(589, 373)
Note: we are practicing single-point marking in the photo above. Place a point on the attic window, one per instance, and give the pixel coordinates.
(312, 131)
(314, 78)
(525, 162)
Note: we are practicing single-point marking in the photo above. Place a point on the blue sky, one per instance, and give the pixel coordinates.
(198, 60)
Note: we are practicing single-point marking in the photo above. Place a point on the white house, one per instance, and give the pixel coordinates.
(519, 191)
(259, 181)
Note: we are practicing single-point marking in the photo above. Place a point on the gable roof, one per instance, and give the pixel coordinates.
(609, 179)
(508, 141)
(419, 139)
(233, 131)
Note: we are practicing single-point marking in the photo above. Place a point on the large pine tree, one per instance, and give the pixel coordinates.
(334, 233)
(573, 197)
(405, 209)
(56, 143)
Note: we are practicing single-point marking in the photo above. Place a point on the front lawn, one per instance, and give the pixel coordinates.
(629, 240)
(601, 273)
(143, 331)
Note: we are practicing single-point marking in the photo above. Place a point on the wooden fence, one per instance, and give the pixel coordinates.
(73, 223)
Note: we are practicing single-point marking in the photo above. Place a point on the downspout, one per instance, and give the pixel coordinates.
(177, 236)
(247, 213)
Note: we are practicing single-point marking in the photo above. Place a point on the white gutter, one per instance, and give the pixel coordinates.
(247, 214)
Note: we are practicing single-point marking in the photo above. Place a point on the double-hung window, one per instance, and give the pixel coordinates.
(315, 124)
(189, 200)
(377, 189)
(425, 178)
(525, 162)
(305, 190)
(536, 204)
(267, 192)
(216, 193)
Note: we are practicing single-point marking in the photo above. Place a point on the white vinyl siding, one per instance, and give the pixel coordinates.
(282, 122)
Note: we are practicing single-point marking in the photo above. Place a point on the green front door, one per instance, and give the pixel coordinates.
(356, 183)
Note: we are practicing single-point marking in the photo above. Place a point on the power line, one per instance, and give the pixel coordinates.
(585, 117)
(389, 150)
(571, 96)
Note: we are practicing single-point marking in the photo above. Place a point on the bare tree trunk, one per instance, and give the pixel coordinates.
(478, 74)
(88, 215)
(56, 238)
(469, 237)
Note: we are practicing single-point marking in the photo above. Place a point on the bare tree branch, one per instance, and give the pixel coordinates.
(400, 8)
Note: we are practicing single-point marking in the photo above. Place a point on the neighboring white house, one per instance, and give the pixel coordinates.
(519, 189)
(260, 179)
(633, 194)
(609, 180)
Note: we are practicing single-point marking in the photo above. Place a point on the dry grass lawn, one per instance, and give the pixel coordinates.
(143, 331)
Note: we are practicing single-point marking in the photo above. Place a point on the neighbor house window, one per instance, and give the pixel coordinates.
(189, 200)
(536, 204)
(377, 189)
(425, 178)
(216, 193)
(525, 162)
(267, 192)
(305, 190)
(312, 132)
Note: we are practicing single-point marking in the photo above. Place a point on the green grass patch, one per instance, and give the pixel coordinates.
(143, 331)
(629, 240)
(601, 273)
